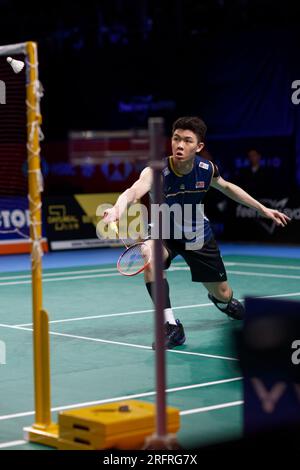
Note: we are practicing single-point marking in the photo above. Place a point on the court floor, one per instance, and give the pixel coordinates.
(101, 326)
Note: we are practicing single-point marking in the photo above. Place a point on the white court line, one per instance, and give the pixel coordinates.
(294, 294)
(60, 273)
(115, 274)
(56, 279)
(19, 327)
(70, 273)
(109, 315)
(178, 264)
(126, 397)
(250, 273)
(5, 445)
(252, 265)
(92, 317)
(74, 278)
(119, 343)
(137, 312)
(210, 408)
(258, 265)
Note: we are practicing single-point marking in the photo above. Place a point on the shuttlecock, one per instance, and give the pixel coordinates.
(17, 65)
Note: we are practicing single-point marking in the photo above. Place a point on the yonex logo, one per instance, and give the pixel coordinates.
(117, 171)
(2, 92)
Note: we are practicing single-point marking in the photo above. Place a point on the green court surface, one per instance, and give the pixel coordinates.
(101, 334)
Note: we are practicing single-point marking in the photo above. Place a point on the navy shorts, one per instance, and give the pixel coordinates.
(206, 264)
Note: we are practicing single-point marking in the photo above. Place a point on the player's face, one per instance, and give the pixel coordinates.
(185, 145)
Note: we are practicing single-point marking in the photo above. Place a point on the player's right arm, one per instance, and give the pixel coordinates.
(131, 195)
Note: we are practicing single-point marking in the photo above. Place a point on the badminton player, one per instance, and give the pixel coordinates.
(186, 179)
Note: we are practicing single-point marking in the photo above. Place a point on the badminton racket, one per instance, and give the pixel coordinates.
(135, 258)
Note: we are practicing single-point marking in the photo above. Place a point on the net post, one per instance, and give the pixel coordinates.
(40, 317)
(156, 132)
(160, 439)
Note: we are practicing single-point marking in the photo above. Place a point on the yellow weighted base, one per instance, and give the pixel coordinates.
(47, 436)
(120, 425)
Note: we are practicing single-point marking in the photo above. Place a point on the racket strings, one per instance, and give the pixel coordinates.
(134, 259)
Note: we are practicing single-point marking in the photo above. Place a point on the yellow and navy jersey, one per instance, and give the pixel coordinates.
(188, 191)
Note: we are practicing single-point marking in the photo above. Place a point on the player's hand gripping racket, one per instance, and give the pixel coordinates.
(135, 258)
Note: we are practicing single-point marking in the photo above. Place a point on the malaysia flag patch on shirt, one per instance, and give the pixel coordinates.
(200, 184)
(204, 165)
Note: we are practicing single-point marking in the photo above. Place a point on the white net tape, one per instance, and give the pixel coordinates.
(38, 91)
(40, 179)
(35, 125)
(34, 152)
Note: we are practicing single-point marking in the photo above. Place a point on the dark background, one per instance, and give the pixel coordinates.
(110, 64)
(230, 61)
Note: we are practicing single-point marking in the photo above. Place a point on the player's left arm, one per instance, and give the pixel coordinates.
(239, 195)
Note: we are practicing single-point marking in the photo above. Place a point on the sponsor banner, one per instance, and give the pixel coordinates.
(15, 226)
(245, 224)
(13, 247)
(80, 244)
(63, 176)
(72, 221)
(14, 218)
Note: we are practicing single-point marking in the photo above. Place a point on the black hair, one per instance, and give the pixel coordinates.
(191, 123)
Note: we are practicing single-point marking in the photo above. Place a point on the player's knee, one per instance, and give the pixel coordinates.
(165, 254)
(149, 273)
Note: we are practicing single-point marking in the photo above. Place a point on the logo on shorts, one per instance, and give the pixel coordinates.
(200, 184)
(204, 165)
(182, 186)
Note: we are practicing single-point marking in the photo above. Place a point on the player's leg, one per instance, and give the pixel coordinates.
(221, 294)
(149, 278)
(208, 268)
(174, 332)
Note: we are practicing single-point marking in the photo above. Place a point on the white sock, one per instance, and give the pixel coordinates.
(169, 316)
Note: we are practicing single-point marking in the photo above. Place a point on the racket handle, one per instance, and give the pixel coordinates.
(114, 227)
